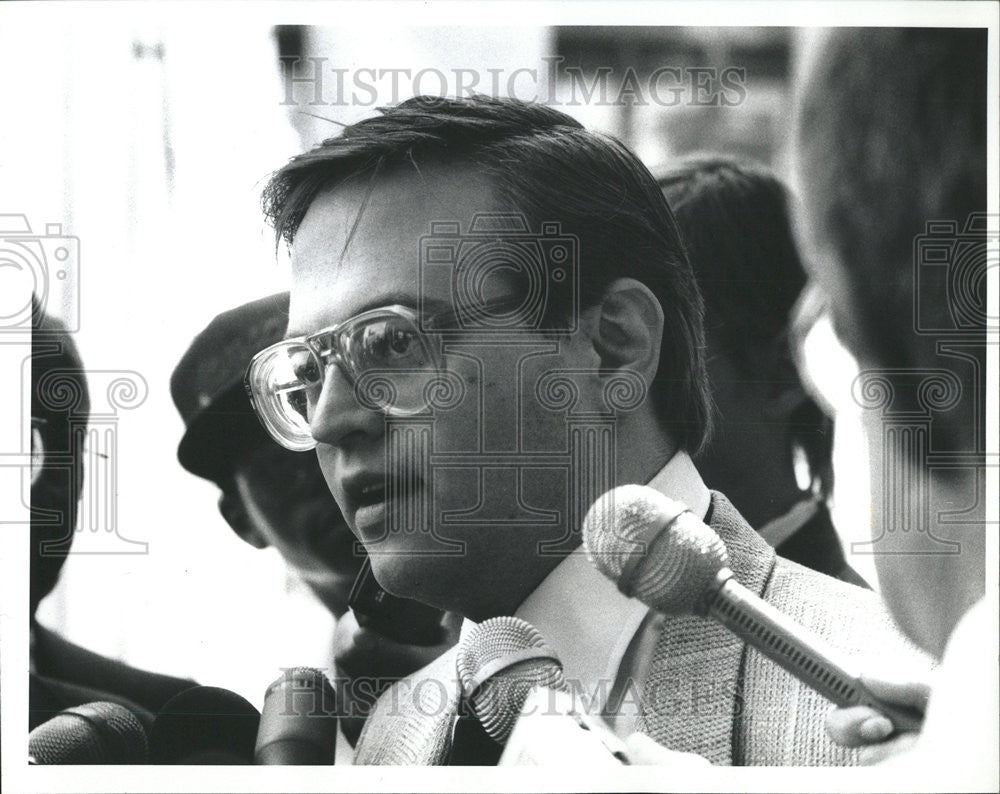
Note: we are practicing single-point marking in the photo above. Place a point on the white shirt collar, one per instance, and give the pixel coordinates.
(583, 616)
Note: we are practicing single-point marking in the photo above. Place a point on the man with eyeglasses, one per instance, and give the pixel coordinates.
(492, 317)
(272, 497)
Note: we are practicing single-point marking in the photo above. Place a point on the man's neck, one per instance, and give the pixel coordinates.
(639, 457)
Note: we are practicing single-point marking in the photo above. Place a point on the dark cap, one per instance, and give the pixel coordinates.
(207, 386)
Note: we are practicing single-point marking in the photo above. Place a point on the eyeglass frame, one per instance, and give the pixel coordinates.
(443, 322)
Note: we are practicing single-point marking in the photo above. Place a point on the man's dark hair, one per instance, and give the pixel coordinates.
(736, 225)
(545, 165)
(60, 406)
(892, 135)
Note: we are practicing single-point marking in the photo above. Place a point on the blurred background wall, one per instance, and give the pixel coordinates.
(151, 144)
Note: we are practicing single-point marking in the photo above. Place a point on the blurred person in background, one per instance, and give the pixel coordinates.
(273, 497)
(771, 448)
(63, 674)
(878, 159)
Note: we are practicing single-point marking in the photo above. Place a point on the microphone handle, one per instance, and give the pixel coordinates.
(792, 646)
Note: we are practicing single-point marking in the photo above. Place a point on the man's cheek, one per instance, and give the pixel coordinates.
(326, 465)
(456, 423)
(455, 489)
(547, 398)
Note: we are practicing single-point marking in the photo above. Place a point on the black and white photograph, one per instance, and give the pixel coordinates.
(398, 389)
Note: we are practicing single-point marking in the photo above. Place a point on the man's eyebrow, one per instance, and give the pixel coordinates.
(431, 305)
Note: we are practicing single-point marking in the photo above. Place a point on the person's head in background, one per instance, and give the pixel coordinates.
(771, 445)
(891, 135)
(60, 406)
(269, 495)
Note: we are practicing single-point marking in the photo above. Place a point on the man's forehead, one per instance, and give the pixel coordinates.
(359, 244)
(398, 206)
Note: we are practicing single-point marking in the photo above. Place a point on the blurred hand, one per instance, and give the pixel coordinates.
(861, 726)
(370, 661)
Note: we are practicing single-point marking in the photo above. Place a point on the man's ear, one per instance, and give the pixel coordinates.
(234, 511)
(628, 327)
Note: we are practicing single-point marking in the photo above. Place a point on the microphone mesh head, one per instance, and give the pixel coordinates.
(653, 548)
(94, 733)
(499, 663)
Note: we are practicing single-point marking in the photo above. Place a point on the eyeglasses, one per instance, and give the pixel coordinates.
(382, 353)
(392, 357)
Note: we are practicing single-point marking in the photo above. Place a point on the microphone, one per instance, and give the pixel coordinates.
(500, 662)
(204, 725)
(93, 733)
(298, 725)
(658, 551)
(515, 686)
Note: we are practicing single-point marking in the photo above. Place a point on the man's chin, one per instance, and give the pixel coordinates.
(412, 576)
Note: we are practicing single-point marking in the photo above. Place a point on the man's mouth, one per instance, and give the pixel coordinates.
(365, 490)
(368, 496)
(371, 495)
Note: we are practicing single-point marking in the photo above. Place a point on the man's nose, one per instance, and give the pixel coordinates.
(338, 414)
